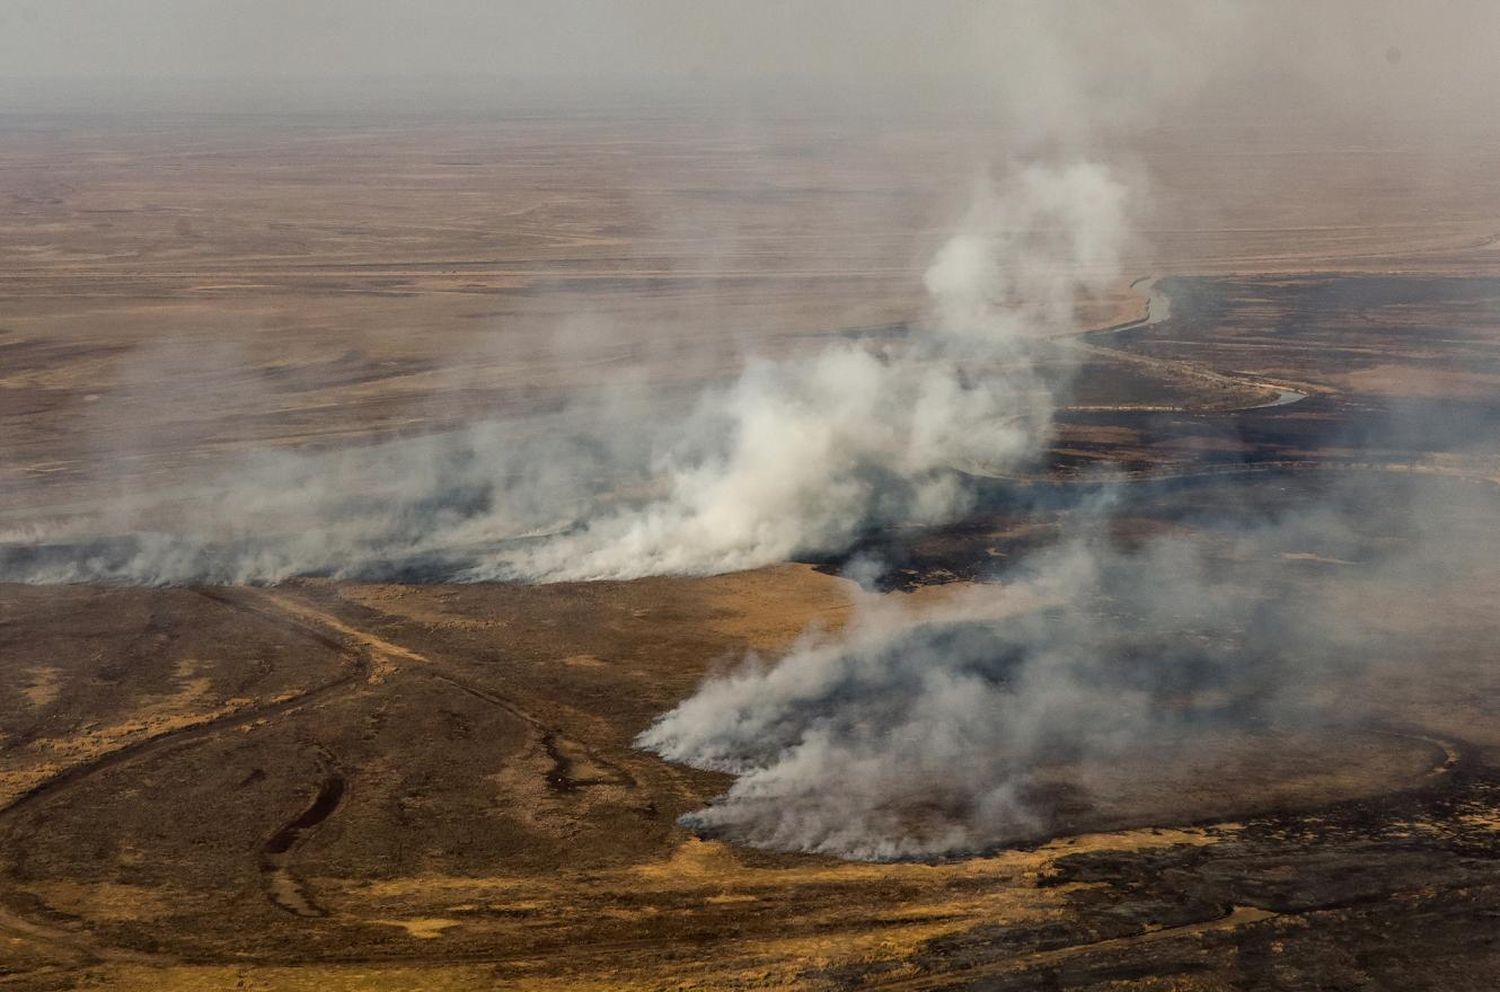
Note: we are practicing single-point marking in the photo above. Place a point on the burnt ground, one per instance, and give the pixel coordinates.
(366, 786)
(1396, 892)
(1396, 376)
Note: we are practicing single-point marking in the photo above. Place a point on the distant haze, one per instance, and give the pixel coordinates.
(1097, 61)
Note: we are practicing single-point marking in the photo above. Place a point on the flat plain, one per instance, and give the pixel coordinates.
(337, 785)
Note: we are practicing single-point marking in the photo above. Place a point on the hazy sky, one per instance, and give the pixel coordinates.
(363, 37)
(1105, 55)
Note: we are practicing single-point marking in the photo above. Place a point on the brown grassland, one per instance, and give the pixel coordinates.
(328, 785)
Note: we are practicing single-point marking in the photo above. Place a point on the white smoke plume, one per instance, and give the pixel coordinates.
(1050, 700)
(797, 456)
(812, 453)
(919, 735)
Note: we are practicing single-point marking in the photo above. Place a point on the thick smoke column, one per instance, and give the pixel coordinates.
(808, 454)
(797, 456)
(930, 734)
(1092, 667)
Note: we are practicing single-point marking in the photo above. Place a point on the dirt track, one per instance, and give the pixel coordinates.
(340, 785)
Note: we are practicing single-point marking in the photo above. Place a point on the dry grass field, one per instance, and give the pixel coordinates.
(176, 288)
(329, 785)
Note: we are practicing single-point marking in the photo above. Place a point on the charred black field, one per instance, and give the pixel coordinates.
(333, 784)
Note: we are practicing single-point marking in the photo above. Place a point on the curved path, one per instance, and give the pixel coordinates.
(368, 659)
(1158, 310)
(388, 656)
(73, 950)
(18, 915)
(284, 889)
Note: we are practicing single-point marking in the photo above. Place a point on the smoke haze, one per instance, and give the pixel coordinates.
(1090, 670)
(1054, 68)
(914, 733)
(795, 457)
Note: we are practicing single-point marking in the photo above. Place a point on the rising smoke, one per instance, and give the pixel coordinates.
(798, 456)
(808, 455)
(1093, 670)
(912, 733)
